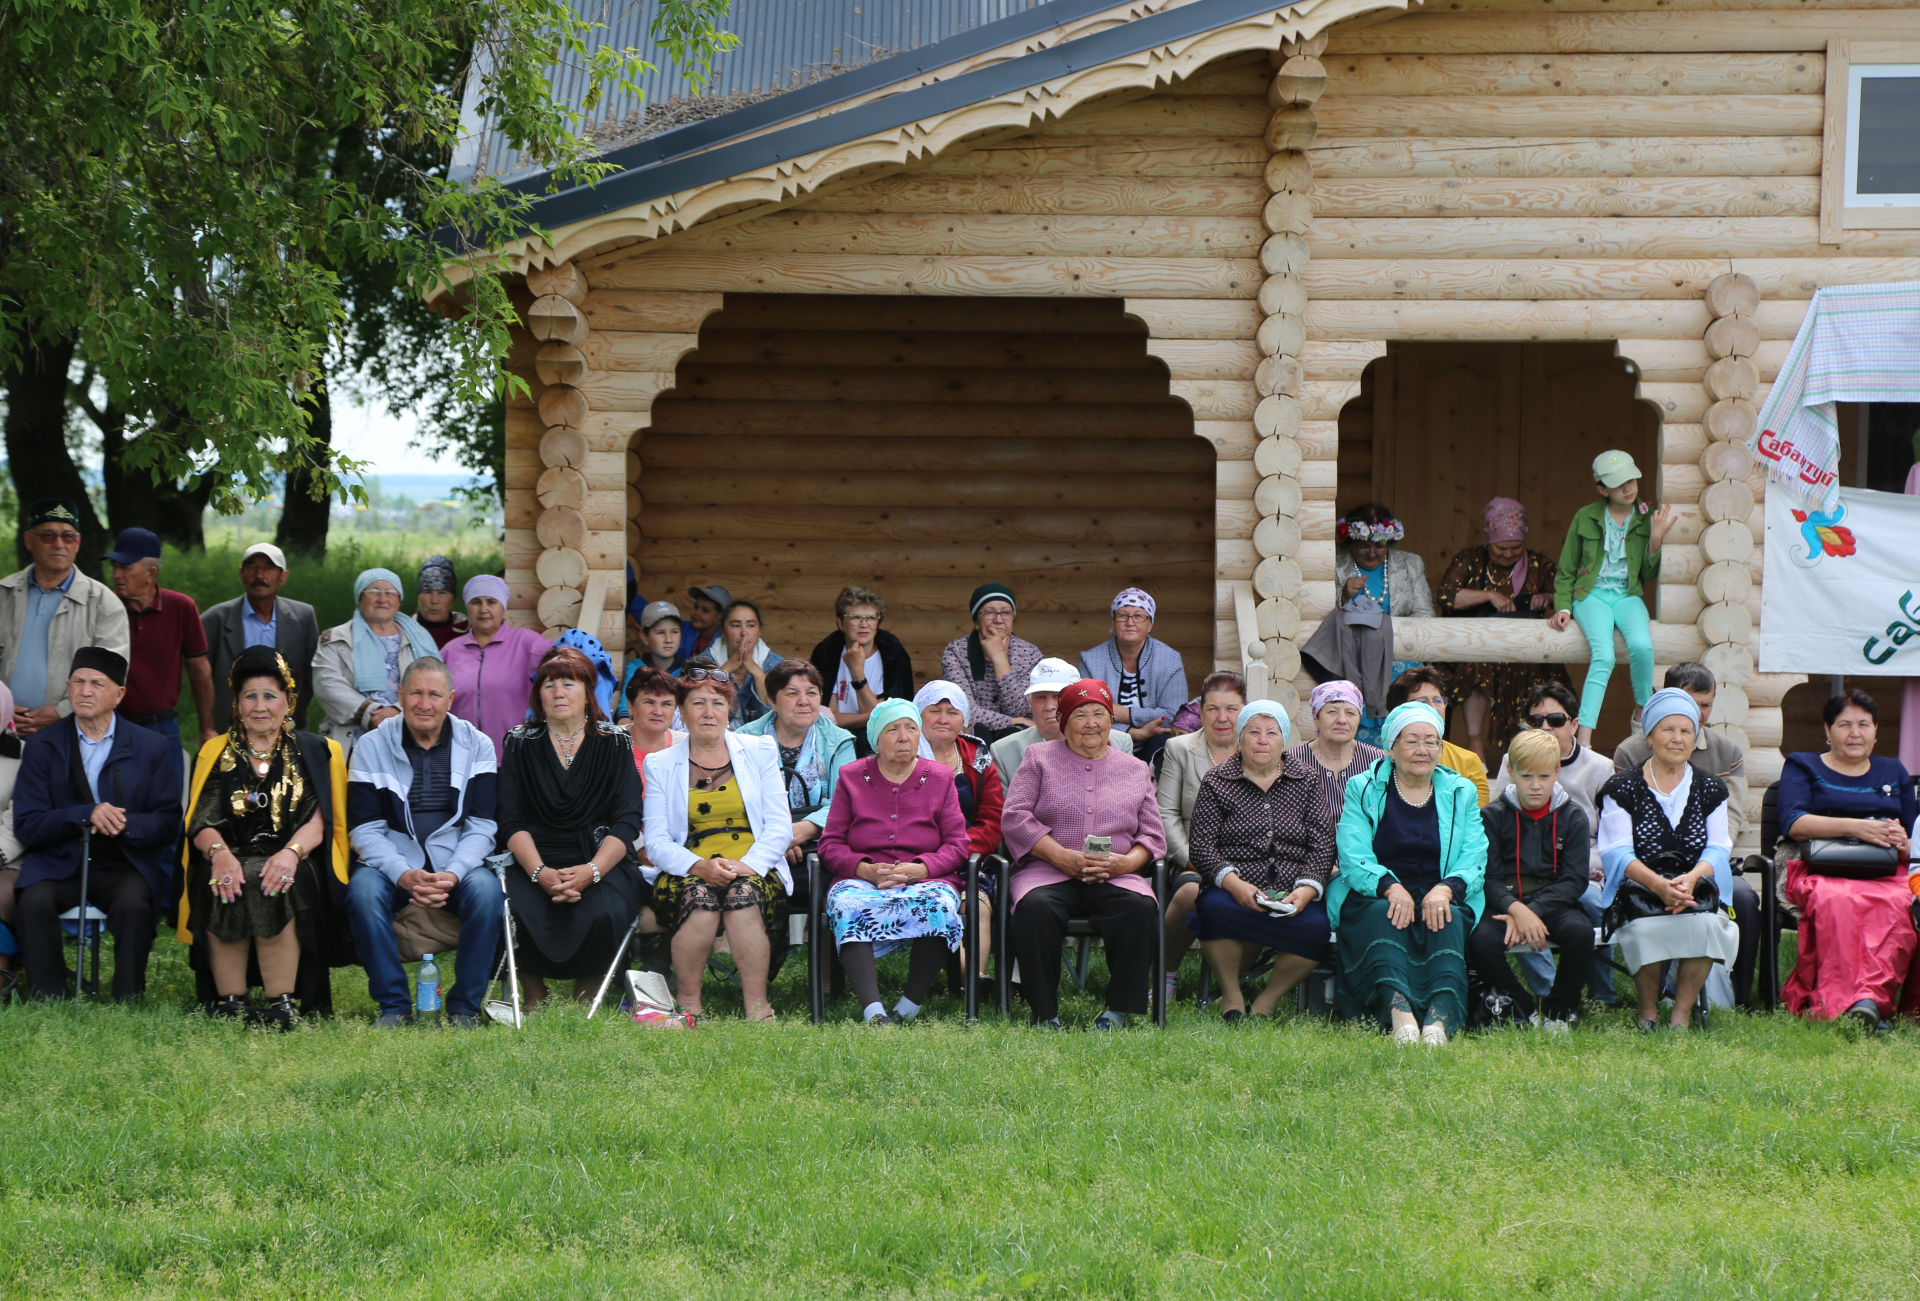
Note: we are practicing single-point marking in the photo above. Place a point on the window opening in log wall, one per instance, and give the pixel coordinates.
(1439, 428)
(924, 446)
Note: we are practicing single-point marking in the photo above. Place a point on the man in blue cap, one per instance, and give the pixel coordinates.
(48, 611)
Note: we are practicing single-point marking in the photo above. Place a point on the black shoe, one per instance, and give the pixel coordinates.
(278, 1014)
(232, 1007)
(1233, 1017)
(464, 1021)
(393, 1020)
(1866, 1013)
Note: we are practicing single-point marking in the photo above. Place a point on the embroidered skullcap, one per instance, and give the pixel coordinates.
(110, 662)
(436, 575)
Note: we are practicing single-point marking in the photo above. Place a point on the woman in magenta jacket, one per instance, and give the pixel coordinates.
(894, 847)
(492, 664)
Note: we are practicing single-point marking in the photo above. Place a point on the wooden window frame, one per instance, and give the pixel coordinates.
(1835, 217)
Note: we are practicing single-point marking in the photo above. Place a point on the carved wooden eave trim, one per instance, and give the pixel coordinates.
(766, 189)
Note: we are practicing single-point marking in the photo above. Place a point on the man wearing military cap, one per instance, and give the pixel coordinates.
(48, 611)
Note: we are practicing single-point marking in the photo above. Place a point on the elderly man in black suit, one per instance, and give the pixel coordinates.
(262, 618)
(94, 770)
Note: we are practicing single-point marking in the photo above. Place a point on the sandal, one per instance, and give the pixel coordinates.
(768, 1017)
(229, 1006)
(278, 1013)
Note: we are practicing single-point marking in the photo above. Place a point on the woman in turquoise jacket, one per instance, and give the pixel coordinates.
(1413, 865)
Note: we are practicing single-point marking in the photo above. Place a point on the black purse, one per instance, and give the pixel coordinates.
(1856, 860)
(1634, 901)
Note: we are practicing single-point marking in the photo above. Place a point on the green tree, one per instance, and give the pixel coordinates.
(190, 194)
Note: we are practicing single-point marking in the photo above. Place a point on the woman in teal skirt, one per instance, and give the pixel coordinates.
(1413, 861)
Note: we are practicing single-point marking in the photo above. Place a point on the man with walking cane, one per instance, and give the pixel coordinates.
(90, 777)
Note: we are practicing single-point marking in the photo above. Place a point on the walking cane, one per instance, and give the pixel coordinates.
(618, 958)
(513, 970)
(80, 950)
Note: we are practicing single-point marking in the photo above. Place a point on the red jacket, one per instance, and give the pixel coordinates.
(983, 830)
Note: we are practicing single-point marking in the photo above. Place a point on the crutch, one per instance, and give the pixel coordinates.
(493, 1008)
(619, 958)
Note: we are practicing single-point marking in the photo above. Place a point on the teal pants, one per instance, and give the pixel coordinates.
(1603, 611)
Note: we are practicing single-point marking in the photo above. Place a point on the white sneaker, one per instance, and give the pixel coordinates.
(1406, 1034)
(1434, 1036)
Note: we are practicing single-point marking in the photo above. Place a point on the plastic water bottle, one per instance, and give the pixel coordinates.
(426, 990)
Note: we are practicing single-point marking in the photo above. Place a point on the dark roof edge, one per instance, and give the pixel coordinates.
(653, 172)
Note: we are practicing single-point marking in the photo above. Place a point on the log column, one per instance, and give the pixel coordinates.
(582, 483)
(1278, 456)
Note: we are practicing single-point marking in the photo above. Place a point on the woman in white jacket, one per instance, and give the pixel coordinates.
(717, 828)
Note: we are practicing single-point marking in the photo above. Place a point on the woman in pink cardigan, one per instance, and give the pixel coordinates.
(1069, 796)
(894, 846)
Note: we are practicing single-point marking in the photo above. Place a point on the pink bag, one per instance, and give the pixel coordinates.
(1188, 718)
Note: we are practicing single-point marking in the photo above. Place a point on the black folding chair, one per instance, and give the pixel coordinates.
(1083, 930)
(1772, 920)
(820, 949)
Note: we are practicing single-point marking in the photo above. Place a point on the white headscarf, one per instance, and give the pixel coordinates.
(940, 689)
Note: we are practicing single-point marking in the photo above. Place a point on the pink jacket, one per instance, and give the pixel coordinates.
(872, 820)
(1058, 793)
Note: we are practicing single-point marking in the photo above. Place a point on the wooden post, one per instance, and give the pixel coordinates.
(1727, 504)
(1297, 84)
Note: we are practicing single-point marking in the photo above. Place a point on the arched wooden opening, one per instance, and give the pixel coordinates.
(1438, 428)
(923, 446)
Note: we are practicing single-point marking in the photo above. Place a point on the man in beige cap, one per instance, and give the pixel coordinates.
(265, 618)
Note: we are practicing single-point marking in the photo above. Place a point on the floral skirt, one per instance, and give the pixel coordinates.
(891, 919)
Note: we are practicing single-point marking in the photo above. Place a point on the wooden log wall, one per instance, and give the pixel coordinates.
(1156, 201)
(1598, 169)
(922, 446)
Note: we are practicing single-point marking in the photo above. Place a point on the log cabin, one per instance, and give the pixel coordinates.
(1104, 294)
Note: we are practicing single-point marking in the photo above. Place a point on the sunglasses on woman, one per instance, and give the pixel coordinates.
(1546, 720)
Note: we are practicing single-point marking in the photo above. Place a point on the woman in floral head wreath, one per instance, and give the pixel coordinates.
(266, 838)
(1502, 579)
(1368, 563)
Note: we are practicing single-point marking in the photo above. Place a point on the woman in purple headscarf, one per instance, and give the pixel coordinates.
(1501, 580)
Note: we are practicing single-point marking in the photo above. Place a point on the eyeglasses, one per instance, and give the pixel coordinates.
(1415, 743)
(1546, 720)
(65, 536)
(708, 675)
(861, 618)
(1130, 616)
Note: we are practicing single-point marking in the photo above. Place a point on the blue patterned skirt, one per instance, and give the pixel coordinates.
(891, 919)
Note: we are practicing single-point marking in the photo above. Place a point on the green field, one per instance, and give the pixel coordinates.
(150, 1154)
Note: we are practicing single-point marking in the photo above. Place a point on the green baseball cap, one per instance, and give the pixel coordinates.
(1614, 468)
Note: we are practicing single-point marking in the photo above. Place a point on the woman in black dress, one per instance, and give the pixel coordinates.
(266, 854)
(569, 813)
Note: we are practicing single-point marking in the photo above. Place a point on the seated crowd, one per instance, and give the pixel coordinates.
(475, 785)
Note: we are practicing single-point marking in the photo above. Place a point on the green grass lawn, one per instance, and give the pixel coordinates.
(150, 1154)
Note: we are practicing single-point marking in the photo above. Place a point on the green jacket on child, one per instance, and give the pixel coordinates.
(1580, 557)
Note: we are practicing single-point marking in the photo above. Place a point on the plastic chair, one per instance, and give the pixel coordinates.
(1083, 930)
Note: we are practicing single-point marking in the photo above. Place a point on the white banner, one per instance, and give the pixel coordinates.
(1842, 587)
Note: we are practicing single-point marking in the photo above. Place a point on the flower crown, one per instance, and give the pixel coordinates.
(1386, 531)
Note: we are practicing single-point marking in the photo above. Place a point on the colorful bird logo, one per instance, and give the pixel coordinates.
(1821, 532)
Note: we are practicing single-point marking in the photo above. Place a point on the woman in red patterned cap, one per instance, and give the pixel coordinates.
(1065, 793)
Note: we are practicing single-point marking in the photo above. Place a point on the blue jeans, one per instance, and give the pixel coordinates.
(372, 900)
(1604, 610)
(1537, 968)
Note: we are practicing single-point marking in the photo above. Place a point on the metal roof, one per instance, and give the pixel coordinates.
(783, 44)
(713, 150)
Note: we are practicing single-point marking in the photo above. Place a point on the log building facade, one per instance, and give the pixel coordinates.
(1156, 318)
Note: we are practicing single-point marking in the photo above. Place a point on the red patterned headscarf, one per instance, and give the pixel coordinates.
(1087, 691)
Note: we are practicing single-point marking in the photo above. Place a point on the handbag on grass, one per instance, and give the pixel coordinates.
(1854, 859)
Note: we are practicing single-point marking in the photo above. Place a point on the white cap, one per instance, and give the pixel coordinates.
(1052, 675)
(267, 549)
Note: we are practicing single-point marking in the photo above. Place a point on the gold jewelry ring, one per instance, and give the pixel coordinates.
(226, 880)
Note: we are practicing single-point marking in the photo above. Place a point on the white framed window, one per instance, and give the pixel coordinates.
(1870, 157)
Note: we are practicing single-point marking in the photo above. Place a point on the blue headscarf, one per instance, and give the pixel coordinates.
(604, 679)
(1272, 709)
(369, 661)
(1414, 711)
(887, 713)
(1665, 703)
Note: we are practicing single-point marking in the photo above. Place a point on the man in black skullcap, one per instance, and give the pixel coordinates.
(49, 610)
(92, 770)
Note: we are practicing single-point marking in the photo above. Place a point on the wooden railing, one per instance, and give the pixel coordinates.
(1253, 652)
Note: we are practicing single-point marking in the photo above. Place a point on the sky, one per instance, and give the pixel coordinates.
(384, 441)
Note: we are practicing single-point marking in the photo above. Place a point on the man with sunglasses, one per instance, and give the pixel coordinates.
(48, 611)
(1717, 753)
(1553, 708)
